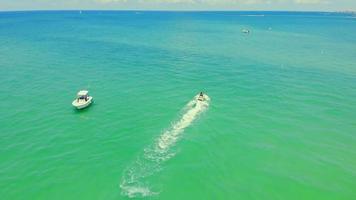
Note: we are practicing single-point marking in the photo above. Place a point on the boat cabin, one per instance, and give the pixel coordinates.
(82, 95)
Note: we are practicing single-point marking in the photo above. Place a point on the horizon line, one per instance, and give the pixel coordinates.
(181, 10)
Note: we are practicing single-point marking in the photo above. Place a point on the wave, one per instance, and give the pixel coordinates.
(134, 182)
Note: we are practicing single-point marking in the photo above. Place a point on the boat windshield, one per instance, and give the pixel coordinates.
(82, 97)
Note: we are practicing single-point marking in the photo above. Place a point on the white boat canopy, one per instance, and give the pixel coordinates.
(83, 93)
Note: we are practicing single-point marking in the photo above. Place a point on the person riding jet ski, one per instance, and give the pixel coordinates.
(201, 96)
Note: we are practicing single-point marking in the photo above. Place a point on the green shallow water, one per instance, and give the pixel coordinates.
(280, 123)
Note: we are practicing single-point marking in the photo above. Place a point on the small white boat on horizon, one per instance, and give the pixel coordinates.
(83, 100)
(245, 31)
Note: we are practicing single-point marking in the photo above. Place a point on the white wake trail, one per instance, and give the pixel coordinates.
(134, 183)
(169, 137)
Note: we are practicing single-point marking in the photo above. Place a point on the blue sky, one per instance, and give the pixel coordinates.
(307, 5)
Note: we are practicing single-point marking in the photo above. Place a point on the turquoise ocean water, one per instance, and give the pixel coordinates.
(280, 123)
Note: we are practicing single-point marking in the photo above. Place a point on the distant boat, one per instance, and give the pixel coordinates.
(83, 100)
(80, 12)
(246, 31)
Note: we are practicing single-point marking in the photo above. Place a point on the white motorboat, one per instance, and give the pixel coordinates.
(83, 99)
(246, 31)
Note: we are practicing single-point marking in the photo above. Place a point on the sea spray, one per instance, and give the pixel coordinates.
(134, 181)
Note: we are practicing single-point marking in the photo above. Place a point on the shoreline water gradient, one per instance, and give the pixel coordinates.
(281, 123)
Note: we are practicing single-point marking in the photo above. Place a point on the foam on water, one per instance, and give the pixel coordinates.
(134, 183)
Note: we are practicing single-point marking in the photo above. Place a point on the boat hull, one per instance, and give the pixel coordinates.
(81, 104)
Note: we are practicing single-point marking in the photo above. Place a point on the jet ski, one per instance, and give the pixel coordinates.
(201, 97)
